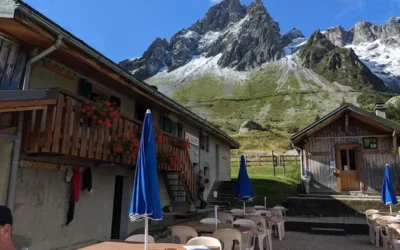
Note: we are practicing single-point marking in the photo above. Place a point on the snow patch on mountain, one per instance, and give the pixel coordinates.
(197, 67)
(293, 47)
(383, 60)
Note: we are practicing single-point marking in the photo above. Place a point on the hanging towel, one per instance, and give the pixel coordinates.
(76, 184)
(87, 179)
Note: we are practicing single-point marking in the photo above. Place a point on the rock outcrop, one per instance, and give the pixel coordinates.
(339, 36)
(252, 43)
(337, 64)
(366, 32)
(249, 126)
(290, 36)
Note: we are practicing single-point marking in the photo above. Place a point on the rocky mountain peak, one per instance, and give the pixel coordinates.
(365, 32)
(339, 36)
(337, 64)
(290, 36)
(219, 16)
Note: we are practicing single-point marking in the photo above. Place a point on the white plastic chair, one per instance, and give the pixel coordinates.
(370, 223)
(376, 228)
(183, 233)
(250, 210)
(283, 209)
(260, 212)
(394, 232)
(278, 222)
(205, 241)
(228, 237)
(264, 233)
(384, 231)
(225, 217)
(210, 221)
(237, 211)
(139, 238)
(249, 240)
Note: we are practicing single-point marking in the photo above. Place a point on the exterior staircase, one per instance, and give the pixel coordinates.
(225, 192)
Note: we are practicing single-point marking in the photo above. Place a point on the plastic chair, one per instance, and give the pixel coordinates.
(250, 210)
(205, 241)
(283, 209)
(248, 241)
(278, 222)
(237, 211)
(264, 231)
(210, 221)
(394, 232)
(139, 238)
(384, 230)
(370, 223)
(228, 237)
(183, 233)
(376, 228)
(260, 212)
(225, 217)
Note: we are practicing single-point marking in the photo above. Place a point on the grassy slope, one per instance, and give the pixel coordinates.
(265, 184)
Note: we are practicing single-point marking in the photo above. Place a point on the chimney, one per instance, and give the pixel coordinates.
(380, 110)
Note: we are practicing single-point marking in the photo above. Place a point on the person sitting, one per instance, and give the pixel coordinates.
(6, 222)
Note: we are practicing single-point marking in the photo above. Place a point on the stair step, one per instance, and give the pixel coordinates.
(328, 231)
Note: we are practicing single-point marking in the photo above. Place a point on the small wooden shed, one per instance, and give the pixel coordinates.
(347, 150)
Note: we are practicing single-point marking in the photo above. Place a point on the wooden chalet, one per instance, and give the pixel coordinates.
(347, 150)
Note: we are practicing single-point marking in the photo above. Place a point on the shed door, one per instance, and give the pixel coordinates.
(348, 168)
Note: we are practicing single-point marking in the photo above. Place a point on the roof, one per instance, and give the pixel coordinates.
(37, 17)
(21, 100)
(327, 119)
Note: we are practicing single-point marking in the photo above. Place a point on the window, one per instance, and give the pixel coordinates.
(348, 160)
(85, 88)
(174, 128)
(140, 111)
(166, 124)
(180, 130)
(115, 101)
(205, 142)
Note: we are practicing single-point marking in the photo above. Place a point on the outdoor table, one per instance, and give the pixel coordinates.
(112, 245)
(385, 222)
(203, 228)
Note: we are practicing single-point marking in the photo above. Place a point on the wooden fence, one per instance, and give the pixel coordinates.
(264, 159)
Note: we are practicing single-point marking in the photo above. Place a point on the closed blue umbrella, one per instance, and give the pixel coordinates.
(388, 196)
(146, 194)
(244, 189)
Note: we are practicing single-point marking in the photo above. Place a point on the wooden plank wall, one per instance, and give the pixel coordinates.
(320, 151)
(12, 65)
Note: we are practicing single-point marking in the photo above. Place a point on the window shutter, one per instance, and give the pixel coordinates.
(115, 101)
(85, 88)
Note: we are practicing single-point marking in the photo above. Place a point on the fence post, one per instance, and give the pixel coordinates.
(259, 160)
(273, 163)
(283, 165)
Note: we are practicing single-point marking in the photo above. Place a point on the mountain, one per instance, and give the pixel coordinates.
(235, 64)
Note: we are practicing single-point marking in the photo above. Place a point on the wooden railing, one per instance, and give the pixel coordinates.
(62, 129)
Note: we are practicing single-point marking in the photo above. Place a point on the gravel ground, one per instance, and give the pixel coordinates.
(304, 241)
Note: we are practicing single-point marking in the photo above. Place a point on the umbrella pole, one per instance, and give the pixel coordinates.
(265, 202)
(146, 232)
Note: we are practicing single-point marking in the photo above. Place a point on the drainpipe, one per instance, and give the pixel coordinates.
(17, 142)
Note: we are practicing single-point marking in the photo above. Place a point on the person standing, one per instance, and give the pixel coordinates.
(6, 222)
(201, 182)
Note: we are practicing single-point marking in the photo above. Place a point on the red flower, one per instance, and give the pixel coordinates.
(102, 113)
(100, 122)
(83, 110)
(107, 103)
(95, 118)
(87, 102)
(111, 109)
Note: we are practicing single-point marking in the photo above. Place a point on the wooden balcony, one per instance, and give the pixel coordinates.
(62, 130)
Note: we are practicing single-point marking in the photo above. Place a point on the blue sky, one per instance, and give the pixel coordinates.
(126, 29)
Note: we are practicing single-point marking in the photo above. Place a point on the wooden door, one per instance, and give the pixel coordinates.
(348, 166)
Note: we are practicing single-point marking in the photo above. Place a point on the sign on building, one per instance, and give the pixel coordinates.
(192, 139)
